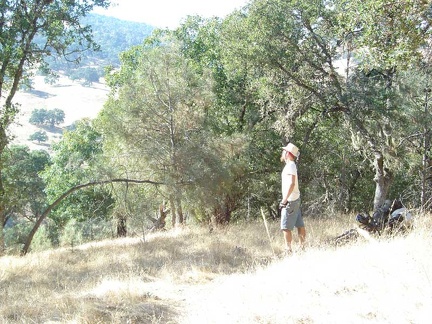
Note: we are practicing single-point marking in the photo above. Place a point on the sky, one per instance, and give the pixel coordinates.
(169, 13)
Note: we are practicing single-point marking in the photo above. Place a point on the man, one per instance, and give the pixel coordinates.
(291, 213)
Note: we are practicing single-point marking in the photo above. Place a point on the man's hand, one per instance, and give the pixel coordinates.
(282, 205)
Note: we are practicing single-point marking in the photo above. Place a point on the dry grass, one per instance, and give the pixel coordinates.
(228, 276)
(77, 102)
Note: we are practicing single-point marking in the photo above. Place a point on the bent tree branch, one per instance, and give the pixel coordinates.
(67, 193)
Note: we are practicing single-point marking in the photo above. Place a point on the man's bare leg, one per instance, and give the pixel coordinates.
(302, 236)
(288, 240)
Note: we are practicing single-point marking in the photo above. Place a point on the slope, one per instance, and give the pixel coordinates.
(229, 276)
(76, 100)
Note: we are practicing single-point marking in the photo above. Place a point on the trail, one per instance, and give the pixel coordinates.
(354, 285)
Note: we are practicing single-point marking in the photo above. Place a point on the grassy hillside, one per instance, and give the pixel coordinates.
(76, 100)
(231, 275)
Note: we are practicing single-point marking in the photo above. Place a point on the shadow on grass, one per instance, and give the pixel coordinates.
(51, 129)
(40, 94)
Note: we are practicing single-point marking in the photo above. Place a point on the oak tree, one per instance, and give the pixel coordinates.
(30, 31)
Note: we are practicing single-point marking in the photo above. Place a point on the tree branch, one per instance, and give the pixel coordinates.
(67, 193)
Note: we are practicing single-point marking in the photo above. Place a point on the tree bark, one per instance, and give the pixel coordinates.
(173, 211)
(3, 143)
(222, 212)
(180, 216)
(426, 161)
(159, 223)
(383, 179)
(121, 225)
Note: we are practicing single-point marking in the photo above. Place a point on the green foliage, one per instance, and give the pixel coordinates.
(78, 232)
(75, 162)
(414, 98)
(35, 31)
(41, 240)
(236, 115)
(208, 43)
(22, 182)
(38, 116)
(56, 117)
(15, 235)
(205, 109)
(71, 234)
(160, 101)
(39, 136)
(25, 199)
(58, 26)
(266, 93)
(385, 34)
(89, 75)
(295, 51)
(46, 117)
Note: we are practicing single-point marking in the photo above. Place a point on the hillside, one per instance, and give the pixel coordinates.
(228, 276)
(112, 35)
(76, 100)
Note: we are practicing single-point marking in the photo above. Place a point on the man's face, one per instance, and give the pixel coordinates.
(284, 155)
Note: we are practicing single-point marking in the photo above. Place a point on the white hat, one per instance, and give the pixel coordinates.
(292, 149)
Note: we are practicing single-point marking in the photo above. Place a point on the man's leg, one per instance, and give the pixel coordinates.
(288, 240)
(302, 236)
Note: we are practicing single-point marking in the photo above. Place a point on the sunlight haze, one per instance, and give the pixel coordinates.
(169, 13)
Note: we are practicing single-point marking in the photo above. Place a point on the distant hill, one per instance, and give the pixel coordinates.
(113, 36)
(74, 93)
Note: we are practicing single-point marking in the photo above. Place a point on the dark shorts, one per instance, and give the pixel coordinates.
(291, 216)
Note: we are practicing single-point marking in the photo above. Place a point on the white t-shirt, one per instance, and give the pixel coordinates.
(290, 169)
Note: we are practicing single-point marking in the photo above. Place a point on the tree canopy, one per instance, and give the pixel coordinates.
(201, 112)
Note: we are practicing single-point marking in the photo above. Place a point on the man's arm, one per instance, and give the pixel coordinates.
(290, 189)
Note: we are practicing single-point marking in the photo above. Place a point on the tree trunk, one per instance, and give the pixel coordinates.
(180, 216)
(121, 225)
(383, 176)
(222, 212)
(426, 162)
(3, 143)
(425, 195)
(160, 222)
(383, 179)
(222, 215)
(2, 243)
(173, 212)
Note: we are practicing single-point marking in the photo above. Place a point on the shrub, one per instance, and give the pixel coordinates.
(41, 241)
